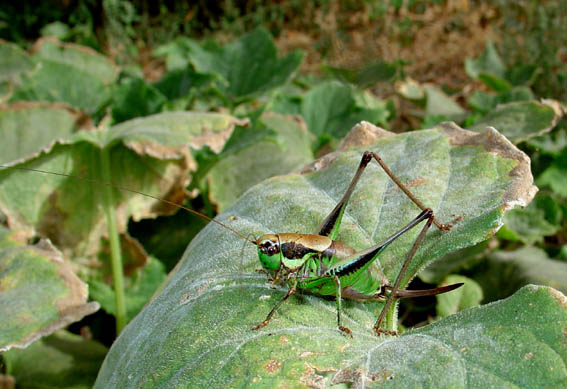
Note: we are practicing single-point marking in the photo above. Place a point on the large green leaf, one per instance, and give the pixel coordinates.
(440, 104)
(39, 293)
(249, 65)
(489, 63)
(503, 272)
(77, 56)
(527, 225)
(53, 81)
(196, 331)
(522, 120)
(467, 296)
(136, 98)
(331, 108)
(231, 176)
(13, 61)
(554, 175)
(28, 128)
(62, 360)
(150, 155)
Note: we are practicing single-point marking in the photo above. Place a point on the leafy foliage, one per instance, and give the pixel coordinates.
(68, 109)
(242, 299)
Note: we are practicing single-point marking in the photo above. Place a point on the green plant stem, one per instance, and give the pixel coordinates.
(114, 239)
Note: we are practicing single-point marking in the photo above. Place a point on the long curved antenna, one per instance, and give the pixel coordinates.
(93, 181)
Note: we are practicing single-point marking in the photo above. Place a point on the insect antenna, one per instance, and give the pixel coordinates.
(255, 241)
(165, 201)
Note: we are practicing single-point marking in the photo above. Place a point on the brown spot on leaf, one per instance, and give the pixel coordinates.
(272, 366)
(528, 356)
(315, 377)
(284, 339)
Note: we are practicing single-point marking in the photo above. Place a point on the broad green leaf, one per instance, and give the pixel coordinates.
(176, 53)
(62, 360)
(522, 74)
(136, 98)
(57, 30)
(410, 89)
(554, 176)
(139, 289)
(53, 81)
(237, 172)
(489, 63)
(196, 331)
(495, 83)
(379, 72)
(5, 91)
(440, 104)
(249, 65)
(149, 155)
(522, 120)
(504, 272)
(553, 143)
(28, 128)
(486, 102)
(77, 56)
(13, 61)
(456, 261)
(179, 83)
(331, 109)
(39, 293)
(527, 225)
(369, 75)
(467, 296)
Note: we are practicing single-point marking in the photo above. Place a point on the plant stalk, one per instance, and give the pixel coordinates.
(114, 239)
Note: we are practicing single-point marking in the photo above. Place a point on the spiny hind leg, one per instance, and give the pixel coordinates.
(330, 225)
(394, 290)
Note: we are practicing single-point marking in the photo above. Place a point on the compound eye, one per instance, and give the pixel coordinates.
(270, 248)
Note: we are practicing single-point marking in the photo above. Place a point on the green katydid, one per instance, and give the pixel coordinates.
(319, 264)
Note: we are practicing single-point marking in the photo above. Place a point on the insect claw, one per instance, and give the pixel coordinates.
(346, 331)
(380, 331)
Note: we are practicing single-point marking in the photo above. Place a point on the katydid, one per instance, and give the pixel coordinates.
(318, 263)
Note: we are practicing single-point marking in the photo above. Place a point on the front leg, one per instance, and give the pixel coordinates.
(291, 291)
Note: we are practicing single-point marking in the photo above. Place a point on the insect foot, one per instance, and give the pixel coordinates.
(261, 325)
(346, 331)
(380, 331)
